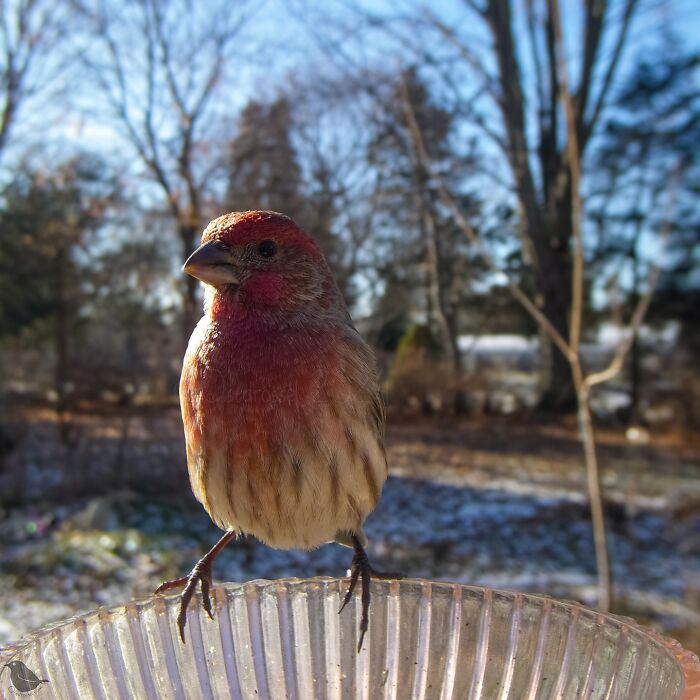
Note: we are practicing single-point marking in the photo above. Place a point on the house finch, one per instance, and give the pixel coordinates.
(283, 417)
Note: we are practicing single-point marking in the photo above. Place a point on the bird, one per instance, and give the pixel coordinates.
(22, 678)
(283, 415)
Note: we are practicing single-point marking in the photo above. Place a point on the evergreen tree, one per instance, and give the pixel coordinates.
(46, 224)
(431, 269)
(647, 168)
(265, 173)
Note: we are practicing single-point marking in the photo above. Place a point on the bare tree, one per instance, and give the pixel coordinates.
(499, 72)
(567, 344)
(29, 33)
(506, 84)
(164, 69)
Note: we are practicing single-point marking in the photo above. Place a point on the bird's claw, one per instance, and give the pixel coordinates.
(202, 574)
(361, 568)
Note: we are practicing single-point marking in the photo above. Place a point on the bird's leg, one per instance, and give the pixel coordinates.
(362, 568)
(201, 573)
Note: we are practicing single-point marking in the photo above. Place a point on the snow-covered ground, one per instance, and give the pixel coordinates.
(485, 501)
(60, 561)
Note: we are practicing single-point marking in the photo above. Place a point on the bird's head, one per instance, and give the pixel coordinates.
(263, 261)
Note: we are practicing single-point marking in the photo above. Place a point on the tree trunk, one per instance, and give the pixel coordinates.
(594, 488)
(559, 395)
(559, 392)
(190, 306)
(635, 350)
(459, 398)
(552, 248)
(547, 224)
(438, 316)
(635, 380)
(61, 346)
(435, 300)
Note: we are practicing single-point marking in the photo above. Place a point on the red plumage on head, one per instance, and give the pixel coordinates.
(297, 280)
(240, 228)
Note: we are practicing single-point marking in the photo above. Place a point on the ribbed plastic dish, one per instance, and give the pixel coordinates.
(285, 639)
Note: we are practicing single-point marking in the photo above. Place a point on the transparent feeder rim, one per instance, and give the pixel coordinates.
(688, 662)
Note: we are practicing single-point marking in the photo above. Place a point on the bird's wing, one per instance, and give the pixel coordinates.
(361, 372)
(190, 393)
(25, 674)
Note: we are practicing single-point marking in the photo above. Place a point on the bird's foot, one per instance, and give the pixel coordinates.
(361, 568)
(200, 574)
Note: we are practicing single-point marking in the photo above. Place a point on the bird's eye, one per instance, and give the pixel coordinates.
(267, 249)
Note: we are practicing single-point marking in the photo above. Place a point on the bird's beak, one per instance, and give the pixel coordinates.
(214, 264)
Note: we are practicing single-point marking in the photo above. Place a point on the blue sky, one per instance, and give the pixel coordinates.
(288, 50)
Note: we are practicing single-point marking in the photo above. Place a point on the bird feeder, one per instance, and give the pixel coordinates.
(285, 639)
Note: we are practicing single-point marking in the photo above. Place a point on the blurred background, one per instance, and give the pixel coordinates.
(434, 150)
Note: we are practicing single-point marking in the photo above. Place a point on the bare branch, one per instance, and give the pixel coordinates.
(550, 132)
(448, 200)
(595, 17)
(535, 51)
(595, 495)
(490, 82)
(588, 126)
(473, 5)
(512, 104)
(29, 34)
(582, 389)
(574, 162)
(160, 96)
(640, 310)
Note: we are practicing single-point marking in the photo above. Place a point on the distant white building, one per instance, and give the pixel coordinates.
(523, 352)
